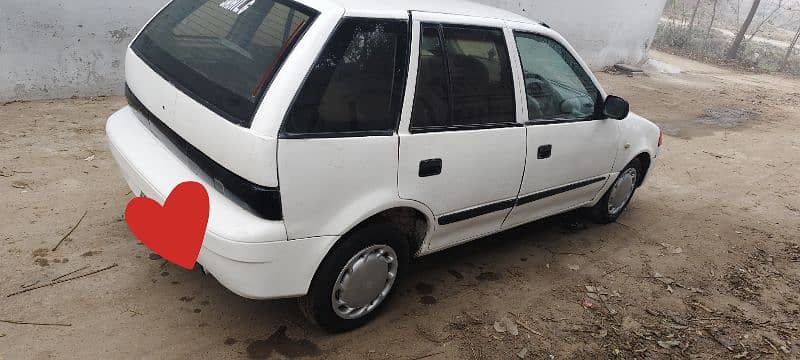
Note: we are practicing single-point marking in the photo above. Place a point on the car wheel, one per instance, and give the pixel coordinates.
(618, 196)
(356, 279)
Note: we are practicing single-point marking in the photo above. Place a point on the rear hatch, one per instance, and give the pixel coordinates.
(199, 71)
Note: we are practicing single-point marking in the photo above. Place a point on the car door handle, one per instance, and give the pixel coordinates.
(430, 167)
(545, 151)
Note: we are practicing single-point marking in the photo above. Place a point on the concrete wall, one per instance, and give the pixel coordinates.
(63, 48)
(604, 32)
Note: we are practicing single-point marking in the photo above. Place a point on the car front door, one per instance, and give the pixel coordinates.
(571, 146)
(462, 148)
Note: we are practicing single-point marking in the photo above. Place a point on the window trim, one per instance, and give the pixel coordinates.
(194, 95)
(598, 113)
(283, 134)
(433, 129)
(440, 26)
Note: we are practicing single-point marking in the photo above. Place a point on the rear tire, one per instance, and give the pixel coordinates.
(357, 278)
(618, 196)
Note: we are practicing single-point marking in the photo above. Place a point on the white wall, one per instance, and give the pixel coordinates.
(604, 32)
(62, 48)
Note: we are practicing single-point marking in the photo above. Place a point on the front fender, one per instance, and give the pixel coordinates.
(637, 136)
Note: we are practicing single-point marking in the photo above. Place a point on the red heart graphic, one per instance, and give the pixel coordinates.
(176, 230)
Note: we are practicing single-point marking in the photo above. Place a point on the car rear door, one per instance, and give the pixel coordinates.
(571, 145)
(462, 147)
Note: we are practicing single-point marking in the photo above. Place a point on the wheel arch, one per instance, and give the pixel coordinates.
(645, 160)
(413, 219)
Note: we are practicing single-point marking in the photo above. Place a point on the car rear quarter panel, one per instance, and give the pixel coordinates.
(329, 186)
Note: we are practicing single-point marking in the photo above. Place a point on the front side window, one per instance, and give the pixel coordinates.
(223, 53)
(556, 85)
(464, 79)
(356, 85)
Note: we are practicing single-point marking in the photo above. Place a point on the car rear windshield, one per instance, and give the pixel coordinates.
(223, 53)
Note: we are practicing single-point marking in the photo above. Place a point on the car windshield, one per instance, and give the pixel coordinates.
(223, 53)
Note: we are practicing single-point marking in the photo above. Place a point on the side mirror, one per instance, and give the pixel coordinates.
(616, 107)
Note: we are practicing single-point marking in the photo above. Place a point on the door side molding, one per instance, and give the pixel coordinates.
(552, 192)
(505, 204)
(475, 212)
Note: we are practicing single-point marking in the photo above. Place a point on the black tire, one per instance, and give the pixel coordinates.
(599, 213)
(317, 305)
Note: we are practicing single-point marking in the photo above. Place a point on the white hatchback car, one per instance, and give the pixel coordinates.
(340, 138)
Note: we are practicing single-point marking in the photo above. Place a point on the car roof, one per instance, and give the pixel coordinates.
(401, 8)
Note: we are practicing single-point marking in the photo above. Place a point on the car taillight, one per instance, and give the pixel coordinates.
(660, 137)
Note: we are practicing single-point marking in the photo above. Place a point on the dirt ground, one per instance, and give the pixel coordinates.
(705, 263)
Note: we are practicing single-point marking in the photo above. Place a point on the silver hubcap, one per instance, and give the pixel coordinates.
(622, 191)
(364, 282)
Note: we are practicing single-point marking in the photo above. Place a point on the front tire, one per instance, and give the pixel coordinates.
(618, 196)
(357, 278)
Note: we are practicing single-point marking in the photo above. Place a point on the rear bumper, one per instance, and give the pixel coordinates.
(247, 254)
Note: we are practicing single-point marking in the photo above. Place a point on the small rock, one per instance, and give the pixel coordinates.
(589, 304)
(499, 327)
(154, 256)
(19, 185)
(663, 279)
(511, 326)
(506, 325)
(668, 344)
(671, 248)
(574, 267)
(523, 353)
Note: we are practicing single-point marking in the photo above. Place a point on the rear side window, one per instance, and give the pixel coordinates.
(223, 53)
(355, 87)
(464, 79)
(432, 99)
